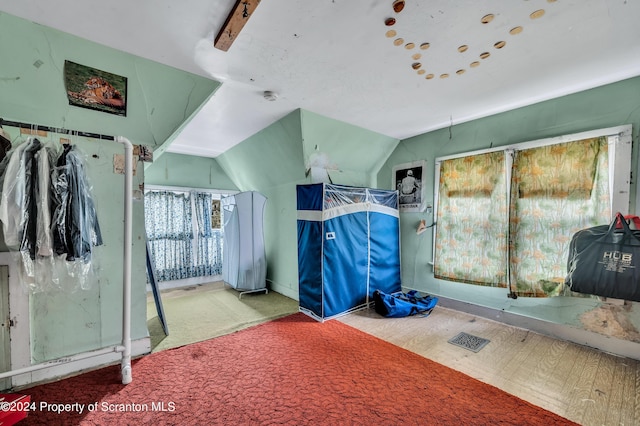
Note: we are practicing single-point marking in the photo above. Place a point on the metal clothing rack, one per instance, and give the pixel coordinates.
(55, 129)
(125, 347)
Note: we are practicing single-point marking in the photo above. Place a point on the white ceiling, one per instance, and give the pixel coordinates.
(334, 58)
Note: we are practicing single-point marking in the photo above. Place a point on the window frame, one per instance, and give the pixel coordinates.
(217, 194)
(619, 140)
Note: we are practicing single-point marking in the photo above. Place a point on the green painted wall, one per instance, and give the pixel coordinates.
(160, 99)
(271, 162)
(187, 171)
(281, 238)
(606, 106)
(274, 161)
(271, 157)
(356, 153)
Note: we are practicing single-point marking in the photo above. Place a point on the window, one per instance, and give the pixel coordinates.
(505, 216)
(182, 242)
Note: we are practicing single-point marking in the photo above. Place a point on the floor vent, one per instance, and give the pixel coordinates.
(468, 341)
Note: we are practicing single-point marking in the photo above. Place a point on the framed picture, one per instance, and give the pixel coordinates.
(95, 89)
(215, 214)
(408, 180)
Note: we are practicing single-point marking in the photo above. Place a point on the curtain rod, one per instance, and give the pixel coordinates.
(186, 189)
(54, 129)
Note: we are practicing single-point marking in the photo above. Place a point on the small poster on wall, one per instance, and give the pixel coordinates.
(215, 214)
(95, 89)
(408, 180)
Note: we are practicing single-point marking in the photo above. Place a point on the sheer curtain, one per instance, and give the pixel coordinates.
(521, 240)
(169, 233)
(182, 243)
(208, 259)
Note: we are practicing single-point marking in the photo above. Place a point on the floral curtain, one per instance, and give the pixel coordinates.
(471, 235)
(175, 249)
(556, 191)
(523, 243)
(208, 258)
(169, 233)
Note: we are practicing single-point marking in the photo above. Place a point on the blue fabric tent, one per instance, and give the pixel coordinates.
(348, 247)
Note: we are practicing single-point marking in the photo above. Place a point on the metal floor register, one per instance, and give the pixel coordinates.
(469, 341)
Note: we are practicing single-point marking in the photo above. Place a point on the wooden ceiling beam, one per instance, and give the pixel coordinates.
(240, 14)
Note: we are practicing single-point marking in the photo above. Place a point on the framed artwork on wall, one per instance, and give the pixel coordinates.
(215, 214)
(95, 89)
(408, 180)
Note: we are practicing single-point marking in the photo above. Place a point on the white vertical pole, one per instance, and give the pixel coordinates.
(125, 367)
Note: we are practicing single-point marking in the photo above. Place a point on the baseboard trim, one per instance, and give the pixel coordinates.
(603, 343)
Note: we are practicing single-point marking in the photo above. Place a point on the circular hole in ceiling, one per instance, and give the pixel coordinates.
(398, 5)
(460, 72)
(515, 30)
(429, 76)
(398, 41)
(445, 75)
(474, 64)
(409, 46)
(499, 44)
(416, 65)
(537, 14)
(416, 56)
(463, 48)
(485, 55)
(420, 72)
(391, 33)
(424, 46)
(487, 18)
(390, 21)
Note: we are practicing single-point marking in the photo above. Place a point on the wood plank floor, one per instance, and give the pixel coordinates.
(584, 385)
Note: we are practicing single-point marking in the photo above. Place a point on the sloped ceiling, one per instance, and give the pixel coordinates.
(339, 59)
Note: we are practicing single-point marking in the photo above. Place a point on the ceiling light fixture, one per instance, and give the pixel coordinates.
(245, 12)
(270, 95)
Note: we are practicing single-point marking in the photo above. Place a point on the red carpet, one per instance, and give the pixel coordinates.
(291, 371)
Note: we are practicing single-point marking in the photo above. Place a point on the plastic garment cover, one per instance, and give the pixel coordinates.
(605, 261)
(34, 203)
(12, 204)
(44, 237)
(30, 214)
(23, 211)
(75, 223)
(339, 196)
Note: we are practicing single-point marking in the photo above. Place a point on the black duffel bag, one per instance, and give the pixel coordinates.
(605, 261)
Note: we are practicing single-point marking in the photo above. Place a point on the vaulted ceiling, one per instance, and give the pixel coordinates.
(365, 62)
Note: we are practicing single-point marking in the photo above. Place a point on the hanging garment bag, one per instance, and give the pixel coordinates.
(605, 261)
